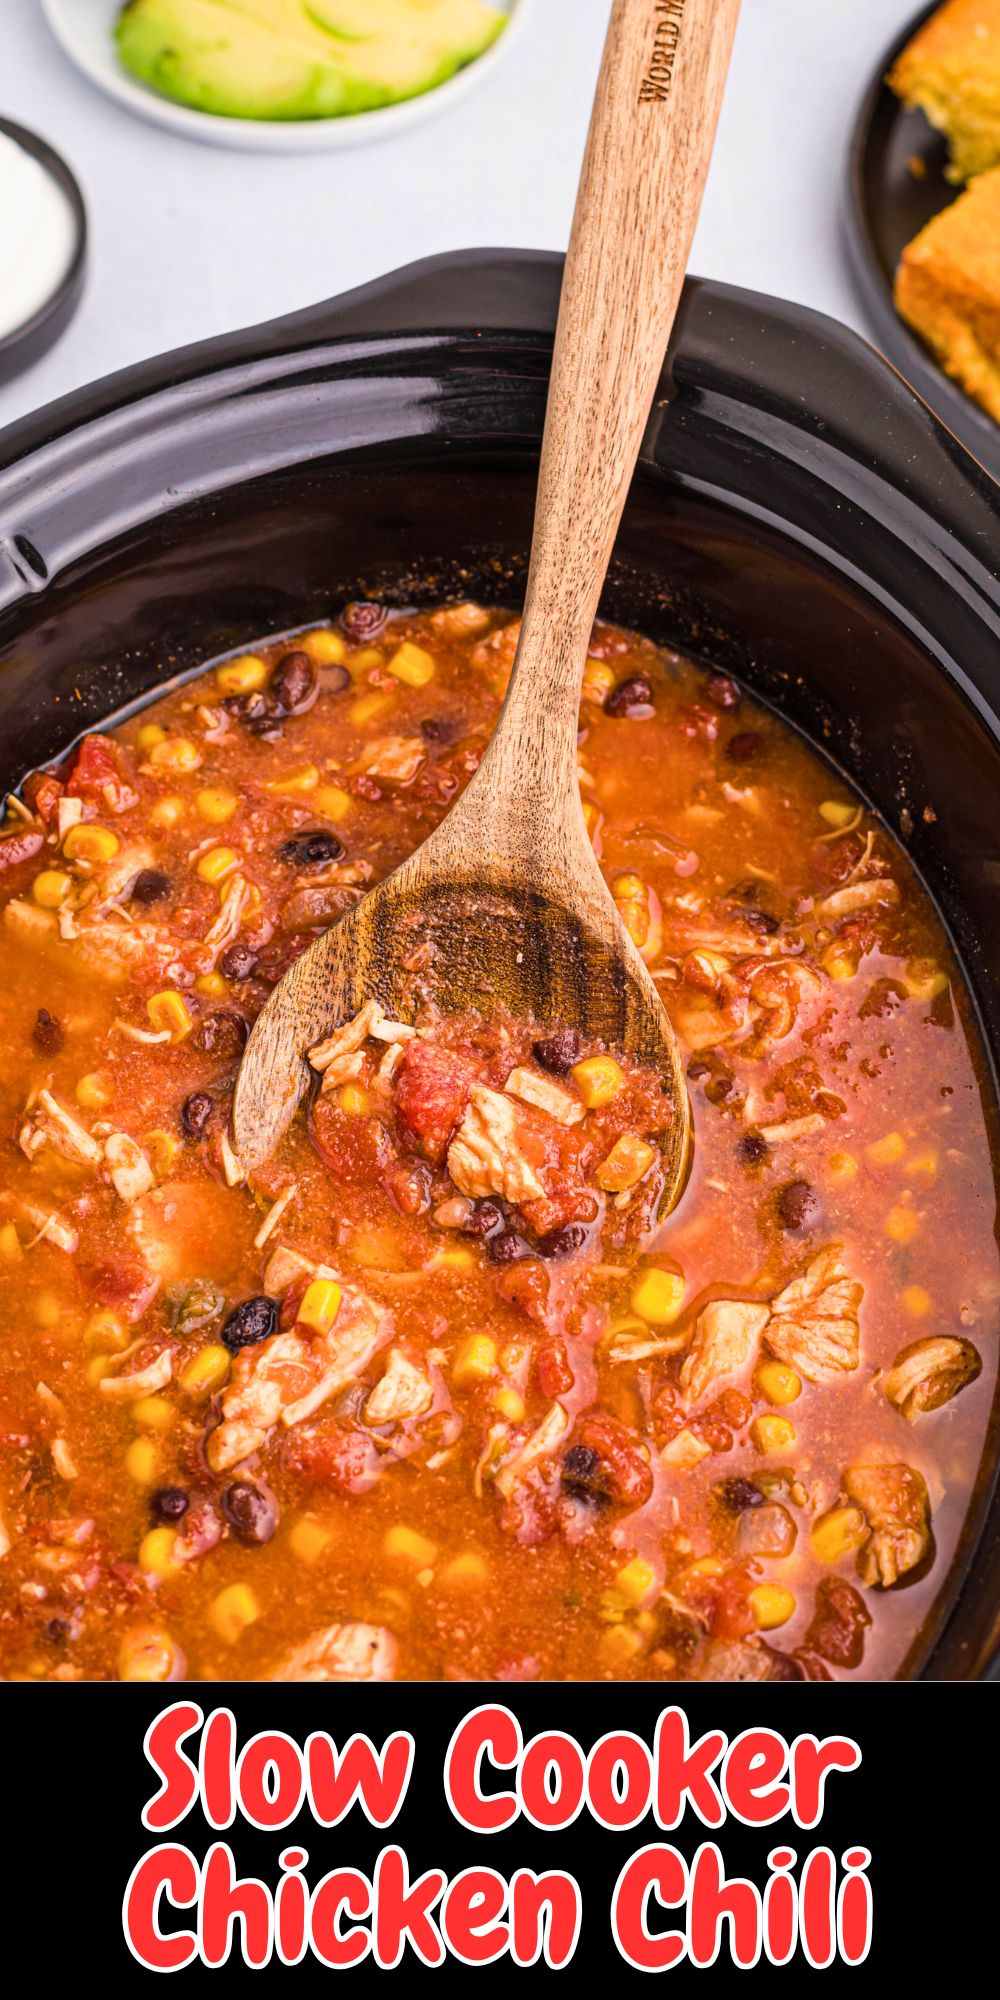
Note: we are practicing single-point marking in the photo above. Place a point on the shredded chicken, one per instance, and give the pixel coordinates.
(930, 1372)
(131, 1173)
(894, 1500)
(236, 896)
(274, 1215)
(50, 1124)
(143, 1381)
(342, 1653)
(117, 876)
(541, 1444)
(857, 896)
(404, 1391)
(485, 1156)
(725, 1336)
(348, 1038)
(397, 759)
(288, 1376)
(283, 1267)
(545, 1095)
(814, 1324)
(6, 1539)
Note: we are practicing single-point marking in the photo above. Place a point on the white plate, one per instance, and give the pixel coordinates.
(84, 29)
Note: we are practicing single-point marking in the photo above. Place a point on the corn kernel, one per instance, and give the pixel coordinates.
(105, 1331)
(161, 1149)
(925, 1163)
(325, 647)
(141, 1462)
(168, 1010)
(153, 1413)
(469, 1570)
(509, 1404)
(156, 1552)
(320, 1305)
(216, 804)
(411, 665)
(598, 681)
(176, 753)
(771, 1605)
(300, 779)
(90, 843)
(212, 985)
(166, 812)
(902, 1224)
(10, 1244)
(703, 1566)
(51, 888)
(838, 962)
(455, 1257)
(150, 735)
(635, 917)
(366, 658)
(354, 1099)
(635, 1580)
(837, 1534)
(770, 1434)
(630, 889)
(628, 1160)
(47, 1310)
(232, 1611)
(409, 1546)
(778, 1382)
(591, 817)
(207, 1370)
(307, 1539)
(917, 1302)
(474, 1361)
(92, 1091)
(146, 1655)
(658, 1296)
(598, 1080)
(332, 802)
(370, 706)
(241, 676)
(837, 812)
(924, 979)
(217, 864)
(842, 1166)
(96, 1369)
(620, 1644)
(888, 1151)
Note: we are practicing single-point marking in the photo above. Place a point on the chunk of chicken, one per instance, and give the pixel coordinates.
(725, 1336)
(50, 1124)
(684, 1452)
(395, 759)
(237, 895)
(288, 1376)
(404, 1391)
(545, 1095)
(348, 1038)
(857, 896)
(131, 1173)
(814, 1323)
(486, 1155)
(894, 1500)
(342, 1653)
(541, 1444)
(930, 1372)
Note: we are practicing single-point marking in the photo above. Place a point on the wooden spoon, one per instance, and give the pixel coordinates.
(505, 903)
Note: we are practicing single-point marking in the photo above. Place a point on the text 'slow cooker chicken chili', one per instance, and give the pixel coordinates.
(437, 1394)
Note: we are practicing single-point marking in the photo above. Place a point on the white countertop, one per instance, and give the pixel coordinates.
(188, 240)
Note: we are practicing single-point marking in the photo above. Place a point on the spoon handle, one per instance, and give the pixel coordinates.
(655, 113)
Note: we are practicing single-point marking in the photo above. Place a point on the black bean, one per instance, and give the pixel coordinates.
(722, 692)
(196, 1111)
(799, 1206)
(507, 1249)
(746, 747)
(47, 1032)
(293, 683)
(437, 729)
(363, 621)
(562, 1242)
(238, 961)
(251, 1512)
(150, 886)
(739, 1494)
(254, 1319)
(744, 892)
(631, 697)
(258, 713)
(762, 920)
(582, 1472)
(310, 849)
(557, 1053)
(752, 1150)
(485, 1220)
(169, 1503)
(223, 1033)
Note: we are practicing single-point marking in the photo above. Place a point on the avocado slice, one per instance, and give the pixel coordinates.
(278, 59)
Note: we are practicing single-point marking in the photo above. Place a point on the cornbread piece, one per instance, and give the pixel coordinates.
(951, 69)
(948, 289)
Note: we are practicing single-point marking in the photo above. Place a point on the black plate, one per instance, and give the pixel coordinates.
(25, 344)
(888, 204)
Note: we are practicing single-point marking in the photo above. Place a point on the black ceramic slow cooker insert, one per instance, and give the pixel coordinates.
(798, 517)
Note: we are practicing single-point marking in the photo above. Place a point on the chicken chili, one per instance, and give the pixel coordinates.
(437, 1394)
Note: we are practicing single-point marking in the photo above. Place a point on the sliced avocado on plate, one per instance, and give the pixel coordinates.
(297, 59)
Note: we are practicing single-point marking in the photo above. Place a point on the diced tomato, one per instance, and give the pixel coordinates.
(526, 1287)
(555, 1376)
(626, 1475)
(355, 1147)
(407, 1183)
(42, 793)
(18, 847)
(732, 1617)
(837, 1629)
(432, 1091)
(95, 775)
(341, 1456)
(124, 1284)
